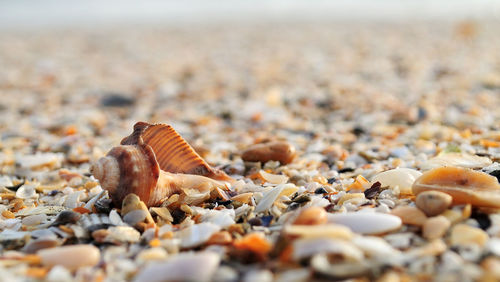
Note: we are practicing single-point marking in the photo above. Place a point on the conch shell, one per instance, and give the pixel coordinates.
(155, 162)
(466, 186)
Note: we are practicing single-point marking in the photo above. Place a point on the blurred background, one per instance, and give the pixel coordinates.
(88, 70)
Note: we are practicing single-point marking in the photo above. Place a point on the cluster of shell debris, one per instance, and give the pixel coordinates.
(319, 155)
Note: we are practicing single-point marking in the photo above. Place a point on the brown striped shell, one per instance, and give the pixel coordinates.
(152, 163)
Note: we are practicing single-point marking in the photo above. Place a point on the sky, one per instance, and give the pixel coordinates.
(69, 13)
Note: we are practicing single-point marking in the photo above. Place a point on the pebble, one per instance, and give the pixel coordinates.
(366, 222)
(462, 234)
(182, 267)
(312, 216)
(433, 202)
(71, 257)
(435, 227)
(281, 151)
(132, 202)
(410, 215)
(398, 177)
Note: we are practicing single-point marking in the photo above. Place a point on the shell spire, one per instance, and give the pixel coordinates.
(155, 162)
(172, 152)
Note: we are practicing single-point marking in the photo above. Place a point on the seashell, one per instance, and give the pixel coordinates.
(71, 257)
(269, 197)
(182, 267)
(307, 247)
(311, 216)
(456, 159)
(333, 231)
(462, 234)
(273, 178)
(338, 271)
(281, 151)
(122, 234)
(197, 234)
(366, 222)
(401, 177)
(466, 186)
(155, 162)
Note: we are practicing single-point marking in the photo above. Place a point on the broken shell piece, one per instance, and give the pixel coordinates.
(303, 248)
(458, 160)
(366, 222)
(338, 271)
(333, 231)
(281, 151)
(154, 162)
(71, 257)
(182, 267)
(273, 178)
(400, 177)
(466, 186)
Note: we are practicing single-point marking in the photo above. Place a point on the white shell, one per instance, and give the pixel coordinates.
(456, 159)
(123, 234)
(366, 222)
(273, 178)
(182, 267)
(304, 248)
(196, 234)
(400, 177)
(71, 257)
(268, 198)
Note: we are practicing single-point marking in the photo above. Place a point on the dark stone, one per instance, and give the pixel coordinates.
(66, 217)
(371, 192)
(320, 190)
(116, 100)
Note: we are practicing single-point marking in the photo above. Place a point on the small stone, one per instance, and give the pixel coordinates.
(116, 100)
(463, 234)
(410, 215)
(281, 151)
(312, 216)
(433, 202)
(132, 202)
(71, 257)
(435, 227)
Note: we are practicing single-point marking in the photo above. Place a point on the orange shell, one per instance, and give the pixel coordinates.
(466, 186)
(150, 163)
(172, 152)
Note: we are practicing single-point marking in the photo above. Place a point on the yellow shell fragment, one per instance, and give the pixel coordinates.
(466, 186)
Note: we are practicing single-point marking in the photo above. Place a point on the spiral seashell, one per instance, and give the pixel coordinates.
(155, 162)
